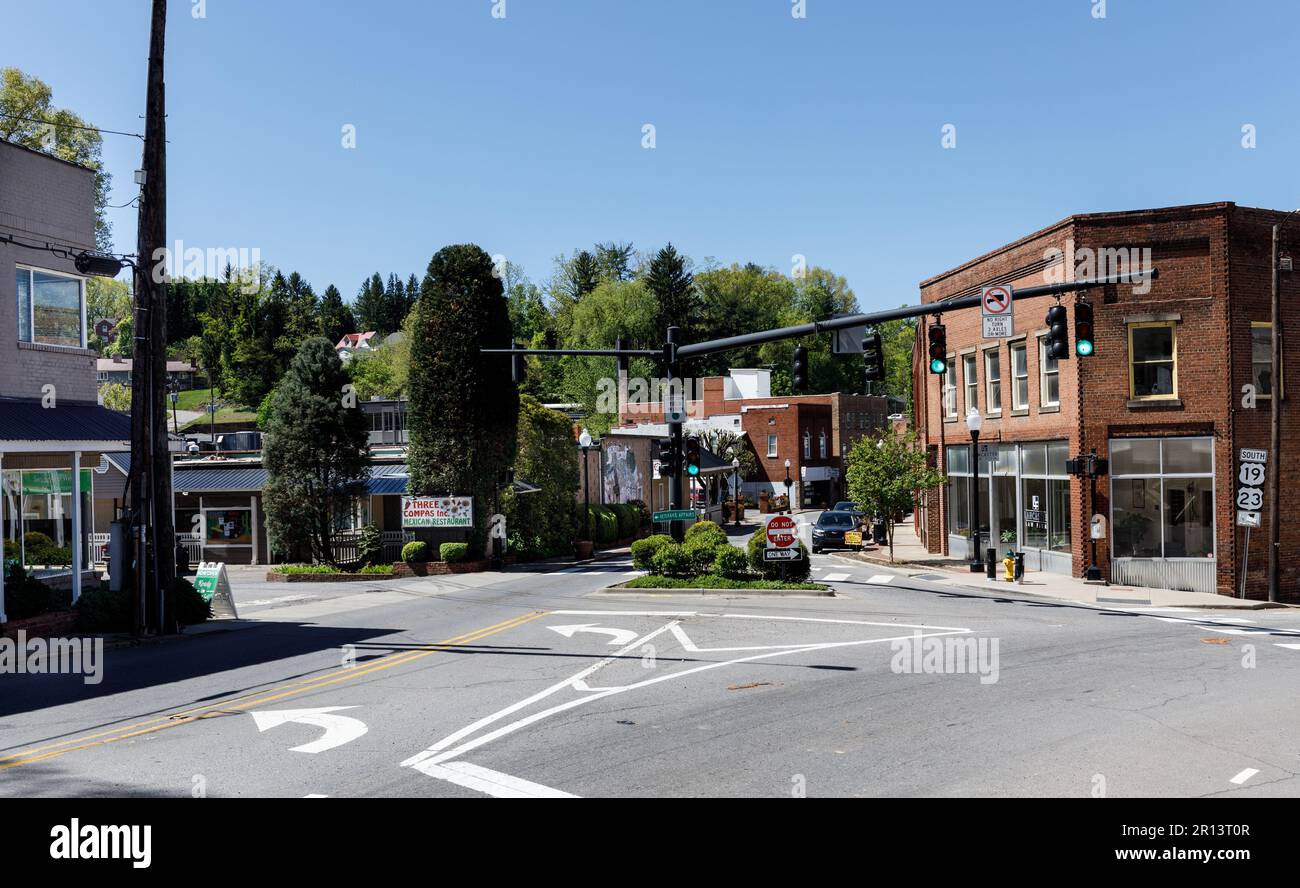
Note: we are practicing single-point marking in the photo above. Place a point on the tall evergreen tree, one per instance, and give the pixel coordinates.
(464, 409)
(412, 294)
(315, 454)
(335, 315)
(370, 307)
(672, 284)
(614, 261)
(582, 274)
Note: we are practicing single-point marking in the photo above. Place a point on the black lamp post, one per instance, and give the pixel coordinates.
(973, 422)
(586, 446)
(735, 489)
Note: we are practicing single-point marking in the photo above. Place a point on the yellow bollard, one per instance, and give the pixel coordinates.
(1009, 563)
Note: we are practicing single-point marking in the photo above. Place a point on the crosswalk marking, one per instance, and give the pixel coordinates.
(835, 578)
(1244, 776)
(1289, 647)
(881, 579)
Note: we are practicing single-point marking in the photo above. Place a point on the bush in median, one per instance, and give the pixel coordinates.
(453, 551)
(795, 571)
(643, 551)
(673, 560)
(706, 531)
(415, 552)
(731, 563)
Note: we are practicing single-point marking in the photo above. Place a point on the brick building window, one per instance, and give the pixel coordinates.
(1049, 376)
(1153, 360)
(971, 383)
(950, 390)
(807, 444)
(1261, 358)
(771, 446)
(993, 381)
(1019, 376)
(1162, 497)
(51, 308)
(821, 445)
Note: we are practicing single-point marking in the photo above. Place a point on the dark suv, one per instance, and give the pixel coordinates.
(828, 532)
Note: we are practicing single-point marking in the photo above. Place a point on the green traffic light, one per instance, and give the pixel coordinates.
(1083, 347)
(938, 366)
(693, 470)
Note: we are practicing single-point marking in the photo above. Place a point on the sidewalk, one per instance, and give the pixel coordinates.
(910, 553)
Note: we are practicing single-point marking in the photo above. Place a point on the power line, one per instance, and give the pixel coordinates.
(95, 129)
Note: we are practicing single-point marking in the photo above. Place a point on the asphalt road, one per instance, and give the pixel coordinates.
(535, 683)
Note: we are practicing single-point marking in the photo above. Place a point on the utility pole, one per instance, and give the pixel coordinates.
(1275, 428)
(151, 492)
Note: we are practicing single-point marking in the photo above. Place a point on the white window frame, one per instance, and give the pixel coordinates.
(1043, 373)
(1016, 403)
(771, 446)
(950, 389)
(970, 382)
(992, 384)
(32, 270)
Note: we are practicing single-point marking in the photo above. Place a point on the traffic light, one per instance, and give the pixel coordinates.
(938, 348)
(667, 459)
(799, 372)
(692, 456)
(1058, 333)
(518, 370)
(873, 358)
(623, 361)
(1083, 341)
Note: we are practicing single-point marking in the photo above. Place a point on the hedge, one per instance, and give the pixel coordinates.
(643, 551)
(453, 551)
(603, 523)
(415, 552)
(708, 531)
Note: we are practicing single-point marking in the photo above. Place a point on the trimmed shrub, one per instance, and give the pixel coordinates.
(306, 569)
(731, 563)
(706, 530)
(643, 551)
(629, 520)
(453, 551)
(701, 551)
(672, 560)
(795, 571)
(370, 545)
(28, 597)
(385, 570)
(101, 610)
(643, 513)
(415, 552)
(188, 605)
(603, 523)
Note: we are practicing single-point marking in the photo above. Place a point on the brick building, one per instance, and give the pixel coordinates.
(1162, 399)
(812, 432)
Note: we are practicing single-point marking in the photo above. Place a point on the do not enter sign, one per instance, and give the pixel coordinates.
(781, 532)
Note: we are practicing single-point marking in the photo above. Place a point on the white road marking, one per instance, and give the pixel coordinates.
(265, 601)
(617, 636)
(835, 578)
(1244, 776)
(339, 729)
(493, 783)
(446, 749)
(315, 795)
(1289, 647)
(881, 579)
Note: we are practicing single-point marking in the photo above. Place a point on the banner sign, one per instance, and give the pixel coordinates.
(437, 511)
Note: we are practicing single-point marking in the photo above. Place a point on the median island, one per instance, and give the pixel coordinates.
(707, 560)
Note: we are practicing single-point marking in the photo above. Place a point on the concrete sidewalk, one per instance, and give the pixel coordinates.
(910, 554)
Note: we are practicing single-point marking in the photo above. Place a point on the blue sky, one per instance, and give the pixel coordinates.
(775, 136)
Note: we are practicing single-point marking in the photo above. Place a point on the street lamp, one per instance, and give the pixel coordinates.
(789, 504)
(586, 446)
(1275, 417)
(735, 489)
(973, 422)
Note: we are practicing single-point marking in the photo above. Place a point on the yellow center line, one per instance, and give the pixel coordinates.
(241, 704)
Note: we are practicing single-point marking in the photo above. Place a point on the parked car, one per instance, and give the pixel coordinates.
(828, 532)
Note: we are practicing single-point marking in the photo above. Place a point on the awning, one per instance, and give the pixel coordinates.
(209, 480)
(29, 426)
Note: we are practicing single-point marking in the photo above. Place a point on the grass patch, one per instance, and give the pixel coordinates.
(380, 569)
(710, 581)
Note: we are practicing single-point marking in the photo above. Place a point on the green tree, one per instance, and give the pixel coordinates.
(28, 118)
(375, 374)
(728, 446)
(543, 523)
(885, 473)
(736, 300)
(106, 299)
(370, 308)
(314, 452)
(115, 396)
(464, 409)
(669, 279)
(335, 315)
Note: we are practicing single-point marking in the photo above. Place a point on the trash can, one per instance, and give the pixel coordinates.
(1020, 566)
(879, 532)
(991, 563)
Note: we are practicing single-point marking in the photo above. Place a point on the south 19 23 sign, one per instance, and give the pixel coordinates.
(437, 511)
(1250, 495)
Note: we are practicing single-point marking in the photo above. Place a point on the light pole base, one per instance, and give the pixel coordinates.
(1092, 574)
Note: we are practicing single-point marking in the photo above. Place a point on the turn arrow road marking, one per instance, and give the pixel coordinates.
(339, 729)
(617, 636)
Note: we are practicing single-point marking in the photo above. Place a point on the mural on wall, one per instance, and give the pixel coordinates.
(619, 474)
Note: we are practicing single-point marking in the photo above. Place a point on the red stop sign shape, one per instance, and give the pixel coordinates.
(781, 532)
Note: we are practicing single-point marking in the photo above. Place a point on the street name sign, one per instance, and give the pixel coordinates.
(674, 515)
(996, 313)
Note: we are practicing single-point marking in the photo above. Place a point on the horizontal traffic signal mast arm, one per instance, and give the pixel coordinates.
(590, 352)
(894, 314)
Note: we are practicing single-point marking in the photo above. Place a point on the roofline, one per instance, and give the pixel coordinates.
(71, 163)
(1075, 219)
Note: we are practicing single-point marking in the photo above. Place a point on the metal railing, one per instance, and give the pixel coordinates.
(347, 546)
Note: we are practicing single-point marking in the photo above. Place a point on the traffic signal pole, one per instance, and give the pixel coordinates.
(672, 355)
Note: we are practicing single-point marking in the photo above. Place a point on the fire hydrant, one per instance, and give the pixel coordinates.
(1009, 564)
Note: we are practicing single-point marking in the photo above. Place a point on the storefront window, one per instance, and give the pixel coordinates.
(229, 527)
(1162, 497)
(1045, 496)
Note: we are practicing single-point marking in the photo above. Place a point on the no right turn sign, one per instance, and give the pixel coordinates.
(996, 314)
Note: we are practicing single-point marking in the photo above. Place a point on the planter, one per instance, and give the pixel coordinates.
(275, 577)
(584, 549)
(438, 568)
